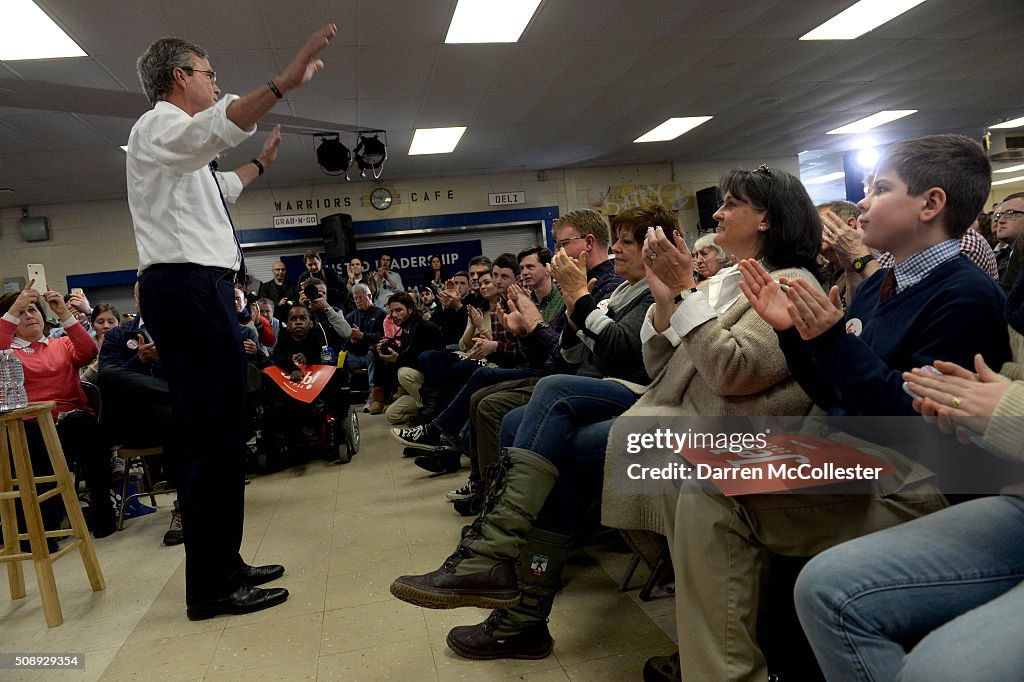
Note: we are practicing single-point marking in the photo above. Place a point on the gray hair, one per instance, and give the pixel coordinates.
(708, 240)
(843, 209)
(361, 287)
(157, 64)
(266, 301)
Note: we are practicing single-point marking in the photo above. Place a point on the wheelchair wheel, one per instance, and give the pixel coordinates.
(350, 432)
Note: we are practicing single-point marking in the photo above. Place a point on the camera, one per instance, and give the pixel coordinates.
(390, 345)
(311, 292)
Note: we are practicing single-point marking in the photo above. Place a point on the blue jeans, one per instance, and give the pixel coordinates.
(567, 422)
(367, 362)
(455, 415)
(953, 578)
(562, 404)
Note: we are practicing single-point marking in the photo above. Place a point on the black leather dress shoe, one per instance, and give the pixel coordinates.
(246, 599)
(257, 575)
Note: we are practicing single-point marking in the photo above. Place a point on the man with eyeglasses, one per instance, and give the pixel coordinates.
(1007, 226)
(188, 259)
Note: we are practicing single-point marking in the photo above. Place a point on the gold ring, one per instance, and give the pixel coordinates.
(955, 401)
(653, 255)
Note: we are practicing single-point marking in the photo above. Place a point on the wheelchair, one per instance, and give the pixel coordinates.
(327, 428)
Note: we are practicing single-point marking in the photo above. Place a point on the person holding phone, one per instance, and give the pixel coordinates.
(51, 373)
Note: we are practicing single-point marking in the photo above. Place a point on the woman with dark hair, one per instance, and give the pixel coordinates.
(104, 317)
(434, 274)
(708, 353)
(51, 373)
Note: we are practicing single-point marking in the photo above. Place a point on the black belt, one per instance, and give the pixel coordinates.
(189, 267)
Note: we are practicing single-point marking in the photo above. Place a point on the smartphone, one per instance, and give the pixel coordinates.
(78, 290)
(38, 273)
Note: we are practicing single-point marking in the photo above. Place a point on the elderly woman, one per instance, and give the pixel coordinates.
(51, 373)
(709, 257)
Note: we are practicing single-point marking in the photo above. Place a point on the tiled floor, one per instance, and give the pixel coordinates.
(344, 533)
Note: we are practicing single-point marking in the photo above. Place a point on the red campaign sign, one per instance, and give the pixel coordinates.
(787, 462)
(306, 389)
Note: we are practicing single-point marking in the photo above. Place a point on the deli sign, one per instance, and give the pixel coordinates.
(506, 198)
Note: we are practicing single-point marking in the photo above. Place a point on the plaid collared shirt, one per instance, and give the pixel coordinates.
(972, 245)
(508, 344)
(917, 267)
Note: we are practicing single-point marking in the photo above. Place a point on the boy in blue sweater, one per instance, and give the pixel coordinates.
(934, 304)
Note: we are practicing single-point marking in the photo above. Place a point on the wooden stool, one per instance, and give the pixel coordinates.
(14, 445)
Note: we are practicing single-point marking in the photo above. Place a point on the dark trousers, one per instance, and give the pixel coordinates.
(189, 311)
(87, 448)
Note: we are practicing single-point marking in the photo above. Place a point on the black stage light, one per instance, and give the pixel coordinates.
(370, 154)
(334, 157)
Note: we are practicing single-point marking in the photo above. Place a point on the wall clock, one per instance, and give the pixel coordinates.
(381, 198)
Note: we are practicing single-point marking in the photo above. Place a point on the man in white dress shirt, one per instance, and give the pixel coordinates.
(188, 261)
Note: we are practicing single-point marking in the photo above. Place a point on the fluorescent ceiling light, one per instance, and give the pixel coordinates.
(435, 140)
(27, 33)
(838, 175)
(672, 128)
(1015, 123)
(1009, 180)
(490, 21)
(860, 18)
(872, 121)
(1011, 169)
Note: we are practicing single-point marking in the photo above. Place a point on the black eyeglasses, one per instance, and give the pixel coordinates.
(562, 243)
(211, 74)
(1009, 215)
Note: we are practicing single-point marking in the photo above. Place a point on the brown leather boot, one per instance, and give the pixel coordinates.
(377, 401)
(482, 571)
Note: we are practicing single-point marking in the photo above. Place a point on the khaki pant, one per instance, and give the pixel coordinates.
(487, 407)
(412, 381)
(719, 546)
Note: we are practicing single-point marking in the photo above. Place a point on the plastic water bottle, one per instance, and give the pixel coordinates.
(327, 355)
(17, 379)
(14, 395)
(5, 382)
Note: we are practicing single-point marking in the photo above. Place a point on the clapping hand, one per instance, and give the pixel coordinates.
(475, 316)
(482, 348)
(790, 302)
(571, 277)
(523, 316)
(958, 400)
(669, 264)
(846, 240)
